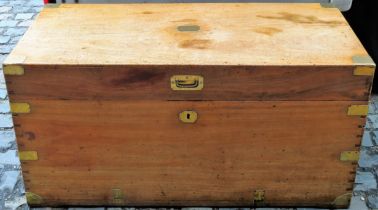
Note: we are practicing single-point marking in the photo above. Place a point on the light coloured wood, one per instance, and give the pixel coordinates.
(289, 149)
(278, 81)
(230, 34)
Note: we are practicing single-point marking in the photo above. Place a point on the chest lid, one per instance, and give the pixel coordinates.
(189, 34)
(224, 51)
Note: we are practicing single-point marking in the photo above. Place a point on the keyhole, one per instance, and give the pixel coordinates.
(188, 116)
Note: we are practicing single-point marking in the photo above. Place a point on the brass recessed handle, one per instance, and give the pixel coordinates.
(188, 116)
(186, 82)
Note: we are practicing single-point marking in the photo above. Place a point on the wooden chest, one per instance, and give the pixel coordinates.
(189, 105)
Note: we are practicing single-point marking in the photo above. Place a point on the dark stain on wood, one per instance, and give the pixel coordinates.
(198, 40)
(267, 30)
(29, 135)
(304, 19)
(147, 12)
(142, 76)
(195, 43)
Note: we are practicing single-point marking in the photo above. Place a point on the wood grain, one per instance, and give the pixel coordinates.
(231, 34)
(289, 149)
(272, 116)
(220, 83)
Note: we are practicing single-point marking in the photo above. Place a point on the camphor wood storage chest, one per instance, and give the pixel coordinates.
(189, 105)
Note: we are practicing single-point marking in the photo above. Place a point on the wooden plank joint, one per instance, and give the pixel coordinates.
(20, 108)
(27, 155)
(350, 156)
(358, 110)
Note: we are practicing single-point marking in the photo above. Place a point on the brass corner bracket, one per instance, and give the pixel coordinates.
(15, 70)
(27, 155)
(342, 200)
(350, 156)
(358, 110)
(19, 108)
(117, 196)
(259, 198)
(365, 65)
(33, 198)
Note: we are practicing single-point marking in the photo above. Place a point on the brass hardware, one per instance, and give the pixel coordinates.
(342, 200)
(186, 82)
(13, 70)
(28, 155)
(188, 116)
(117, 196)
(259, 197)
(350, 156)
(358, 110)
(363, 60)
(20, 108)
(364, 71)
(32, 198)
(365, 65)
(188, 28)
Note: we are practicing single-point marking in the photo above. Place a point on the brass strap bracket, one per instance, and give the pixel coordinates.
(259, 198)
(117, 196)
(350, 156)
(20, 108)
(358, 110)
(27, 155)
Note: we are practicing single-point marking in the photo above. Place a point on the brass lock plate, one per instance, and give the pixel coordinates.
(186, 82)
(188, 116)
